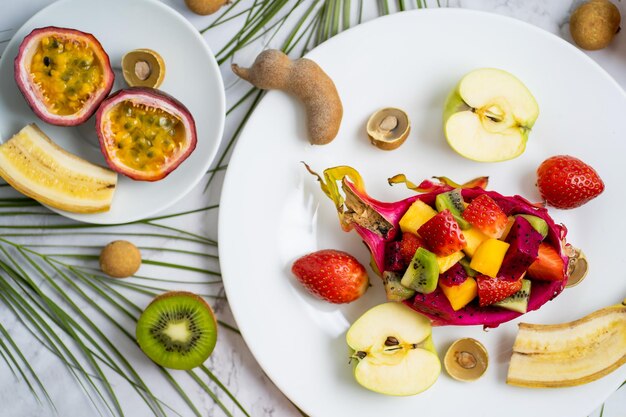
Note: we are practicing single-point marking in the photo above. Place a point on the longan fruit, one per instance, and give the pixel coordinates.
(120, 259)
(594, 24)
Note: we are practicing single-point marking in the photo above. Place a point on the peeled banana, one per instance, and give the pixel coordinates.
(568, 354)
(35, 166)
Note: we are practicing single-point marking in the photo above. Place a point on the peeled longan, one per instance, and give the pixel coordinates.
(120, 259)
(594, 24)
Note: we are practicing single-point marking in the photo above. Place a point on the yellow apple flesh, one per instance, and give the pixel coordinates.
(489, 115)
(394, 349)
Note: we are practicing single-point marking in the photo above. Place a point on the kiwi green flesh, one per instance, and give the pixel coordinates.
(177, 332)
(537, 223)
(394, 289)
(518, 301)
(422, 273)
(453, 201)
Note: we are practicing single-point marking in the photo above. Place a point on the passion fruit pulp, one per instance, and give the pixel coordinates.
(64, 74)
(145, 133)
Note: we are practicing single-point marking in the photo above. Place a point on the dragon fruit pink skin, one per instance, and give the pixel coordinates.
(376, 235)
(524, 243)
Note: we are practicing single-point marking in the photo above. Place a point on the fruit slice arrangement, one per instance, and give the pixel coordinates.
(144, 133)
(34, 165)
(459, 254)
(64, 74)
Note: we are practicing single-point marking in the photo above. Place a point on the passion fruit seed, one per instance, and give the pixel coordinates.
(120, 259)
(67, 72)
(145, 137)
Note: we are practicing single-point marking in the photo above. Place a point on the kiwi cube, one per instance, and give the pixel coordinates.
(422, 273)
(518, 301)
(394, 289)
(453, 201)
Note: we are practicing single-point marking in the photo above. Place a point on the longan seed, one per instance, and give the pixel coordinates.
(120, 259)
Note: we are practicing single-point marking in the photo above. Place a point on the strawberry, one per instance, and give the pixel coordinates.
(566, 182)
(331, 275)
(442, 234)
(408, 245)
(486, 215)
(549, 265)
(492, 290)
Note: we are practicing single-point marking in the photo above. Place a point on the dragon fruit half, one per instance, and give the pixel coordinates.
(377, 224)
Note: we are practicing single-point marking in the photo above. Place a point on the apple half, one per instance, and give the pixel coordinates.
(393, 346)
(488, 116)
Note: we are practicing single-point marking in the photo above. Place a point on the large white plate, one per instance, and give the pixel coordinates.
(272, 211)
(192, 76)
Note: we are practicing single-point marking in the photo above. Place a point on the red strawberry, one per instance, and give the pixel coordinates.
(492, 290)
(442, 234)
(408, 245)
(566, 182)
(486, 215)
(549, 265)
(331, 275)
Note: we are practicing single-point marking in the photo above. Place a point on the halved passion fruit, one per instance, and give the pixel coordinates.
(144, 133)
(64, 74)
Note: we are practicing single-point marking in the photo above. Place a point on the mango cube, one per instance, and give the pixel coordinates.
(489, 256)
(473, 238)
(418, 214)
(447, 262)
(460, 295)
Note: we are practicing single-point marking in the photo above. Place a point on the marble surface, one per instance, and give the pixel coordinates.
(232, 362)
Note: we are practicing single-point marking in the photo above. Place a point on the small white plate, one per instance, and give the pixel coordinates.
(272, 211)
(192, 76)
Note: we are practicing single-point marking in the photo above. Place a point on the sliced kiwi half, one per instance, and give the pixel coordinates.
(177, 330)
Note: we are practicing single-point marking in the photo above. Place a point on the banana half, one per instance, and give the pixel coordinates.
(569, 354)
(35, 166)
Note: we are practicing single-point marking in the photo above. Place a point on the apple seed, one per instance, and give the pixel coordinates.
(391, 341)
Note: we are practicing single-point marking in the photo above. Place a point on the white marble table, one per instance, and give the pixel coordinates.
(232, 362)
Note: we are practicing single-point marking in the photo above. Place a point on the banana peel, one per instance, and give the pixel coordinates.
(37, 167)
(569, 354)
